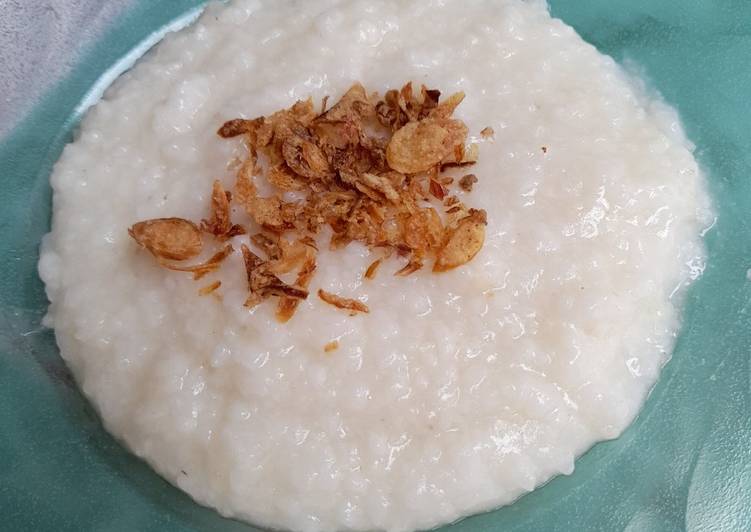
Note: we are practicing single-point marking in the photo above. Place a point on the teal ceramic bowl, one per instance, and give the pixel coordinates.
(684, 464)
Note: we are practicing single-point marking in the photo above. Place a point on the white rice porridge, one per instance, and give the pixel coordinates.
(460, 391)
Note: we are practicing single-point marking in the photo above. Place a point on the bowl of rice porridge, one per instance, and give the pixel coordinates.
(346, 265)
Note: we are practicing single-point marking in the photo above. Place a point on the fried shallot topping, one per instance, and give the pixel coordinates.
(263, 283)
(487, 132)
(463, 242)
(287, 305)
(219, 224)
(199, 270)
(352, 305)
(370, 273)
(210, 288)
(467, 182)
(333, 345)
(367, 169)
(168, 238)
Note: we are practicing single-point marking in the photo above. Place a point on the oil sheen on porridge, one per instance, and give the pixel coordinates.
(460, 391)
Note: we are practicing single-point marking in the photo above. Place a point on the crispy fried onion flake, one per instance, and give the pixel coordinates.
(219, 223)
(368, 169)
(168, 238)
(262, 281)
(206, 267)
(352, 305)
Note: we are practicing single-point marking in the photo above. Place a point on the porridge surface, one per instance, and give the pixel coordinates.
(459, 391)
